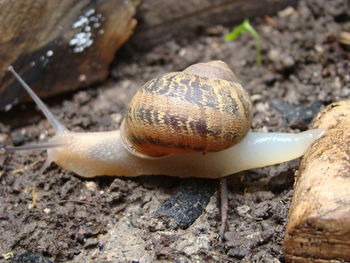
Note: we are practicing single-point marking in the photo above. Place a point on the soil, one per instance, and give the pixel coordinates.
(66, 218)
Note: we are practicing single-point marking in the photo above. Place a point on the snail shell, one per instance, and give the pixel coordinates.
(201, 109)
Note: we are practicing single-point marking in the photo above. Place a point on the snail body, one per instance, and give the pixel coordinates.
(153, 139)
(102, 153)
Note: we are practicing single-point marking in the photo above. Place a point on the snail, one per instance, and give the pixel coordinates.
(193, 123)
(203, 86)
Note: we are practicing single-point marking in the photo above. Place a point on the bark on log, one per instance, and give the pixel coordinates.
(319, 222)
(59, 45)
(161, 20)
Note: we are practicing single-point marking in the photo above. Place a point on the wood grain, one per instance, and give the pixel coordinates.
(319, 223)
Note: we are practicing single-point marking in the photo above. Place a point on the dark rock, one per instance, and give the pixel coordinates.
(29, 257)
(18, 138)
(297, 116)
(188, 202)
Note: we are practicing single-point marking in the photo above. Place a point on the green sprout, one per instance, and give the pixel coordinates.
(245, 26)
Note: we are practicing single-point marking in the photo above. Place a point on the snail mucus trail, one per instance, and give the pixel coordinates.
(106, 153)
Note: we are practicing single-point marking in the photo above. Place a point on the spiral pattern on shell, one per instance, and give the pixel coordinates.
(187, 112)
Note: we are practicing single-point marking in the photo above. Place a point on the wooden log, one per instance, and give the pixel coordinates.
(319, 222)
(59, 45)
(48, 42)
(161, 20)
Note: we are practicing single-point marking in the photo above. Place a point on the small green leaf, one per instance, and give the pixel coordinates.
(245, 26)
(236, 32)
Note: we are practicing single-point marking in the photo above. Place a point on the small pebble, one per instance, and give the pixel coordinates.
(288, 61)
(274, 55)
(91, 243)
(242, 210)
(91, 186)
(287, 12)
(82, 78)
(117, 117)
(262, 210)
(19, 138)
(3, 137)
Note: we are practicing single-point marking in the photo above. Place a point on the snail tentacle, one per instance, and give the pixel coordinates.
(36, 146)
(56, 124)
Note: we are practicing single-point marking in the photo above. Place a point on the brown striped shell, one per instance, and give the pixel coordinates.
(201, 109)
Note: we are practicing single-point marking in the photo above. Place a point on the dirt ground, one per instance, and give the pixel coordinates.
(67, 218)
